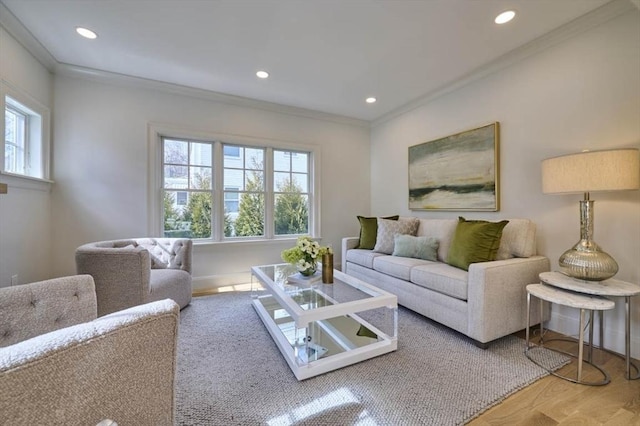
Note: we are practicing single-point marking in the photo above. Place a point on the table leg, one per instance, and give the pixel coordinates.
(627, 339)
(591, 318)
(541, 302)
(581, 345)
(528, 319)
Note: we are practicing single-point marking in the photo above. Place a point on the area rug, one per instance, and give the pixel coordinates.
(230, 372)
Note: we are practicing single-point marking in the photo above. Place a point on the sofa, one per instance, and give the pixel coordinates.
(131, 272)
(60, 365)
(485, 302)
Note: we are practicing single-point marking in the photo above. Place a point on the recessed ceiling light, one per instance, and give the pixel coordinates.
(505, 17)
(86, 33)
(262, 74)
(370, 100)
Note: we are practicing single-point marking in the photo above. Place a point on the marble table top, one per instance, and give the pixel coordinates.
(610, 287)
(568, 298)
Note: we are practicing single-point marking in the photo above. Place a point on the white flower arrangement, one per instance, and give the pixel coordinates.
(305, 254)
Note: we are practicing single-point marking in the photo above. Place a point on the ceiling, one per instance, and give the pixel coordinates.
(321, 55)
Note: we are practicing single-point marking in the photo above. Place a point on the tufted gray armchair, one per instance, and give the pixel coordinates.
(59, 364)
(136, 271)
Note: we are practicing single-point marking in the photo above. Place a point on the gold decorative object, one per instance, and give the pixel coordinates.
(589, 171)
(327, 268)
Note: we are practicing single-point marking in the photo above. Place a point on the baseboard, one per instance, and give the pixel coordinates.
(219, 283)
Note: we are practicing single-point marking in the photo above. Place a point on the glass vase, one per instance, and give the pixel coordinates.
(310, 270)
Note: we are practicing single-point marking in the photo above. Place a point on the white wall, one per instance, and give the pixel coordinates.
(25, 211)
(100, 168)
(583, 93)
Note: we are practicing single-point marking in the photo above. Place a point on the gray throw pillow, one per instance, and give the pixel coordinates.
(417, 247)
(388, 229)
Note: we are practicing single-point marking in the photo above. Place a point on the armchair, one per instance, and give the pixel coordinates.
(136, 271)
(61, 365)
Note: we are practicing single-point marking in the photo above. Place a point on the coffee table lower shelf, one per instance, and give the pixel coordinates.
(331, 349)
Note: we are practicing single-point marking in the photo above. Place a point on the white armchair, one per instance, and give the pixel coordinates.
(61, 365)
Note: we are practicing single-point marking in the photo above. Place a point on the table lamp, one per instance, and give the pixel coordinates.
(590, 171)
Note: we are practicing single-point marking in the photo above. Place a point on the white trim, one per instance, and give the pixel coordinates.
(13, 26)
(579, 25)
(155, 131)
(176, 89)
(25, 182)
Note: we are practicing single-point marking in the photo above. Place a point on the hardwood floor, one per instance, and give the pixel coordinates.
(553, 401)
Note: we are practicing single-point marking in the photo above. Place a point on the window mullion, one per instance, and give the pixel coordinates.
(269, 231)
(217, 231)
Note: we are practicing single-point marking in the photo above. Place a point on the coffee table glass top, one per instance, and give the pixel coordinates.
(344, 288)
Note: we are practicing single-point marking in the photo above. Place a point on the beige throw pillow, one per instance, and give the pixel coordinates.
(388, 229)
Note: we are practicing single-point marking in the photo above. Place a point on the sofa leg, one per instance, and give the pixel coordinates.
(480, 344)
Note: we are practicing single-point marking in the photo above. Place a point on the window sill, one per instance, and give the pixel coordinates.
(25, 182)
(250, 242)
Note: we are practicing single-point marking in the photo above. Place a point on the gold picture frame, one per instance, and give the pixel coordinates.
(457, 173)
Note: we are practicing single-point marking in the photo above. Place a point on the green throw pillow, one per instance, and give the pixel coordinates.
(365, 332)
(475, 241)
(417, 247)
(369, 231)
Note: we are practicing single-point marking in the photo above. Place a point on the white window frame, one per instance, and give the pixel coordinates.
(157, 131)
(37, 144)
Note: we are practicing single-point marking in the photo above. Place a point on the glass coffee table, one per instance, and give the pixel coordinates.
(322, 327)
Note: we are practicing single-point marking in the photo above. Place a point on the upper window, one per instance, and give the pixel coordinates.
(247, 192)
(25, 147)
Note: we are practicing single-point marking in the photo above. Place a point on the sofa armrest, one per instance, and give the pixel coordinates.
(497, 296)
(348, 243)
(121, 274)
(120, 366)
(29, 310)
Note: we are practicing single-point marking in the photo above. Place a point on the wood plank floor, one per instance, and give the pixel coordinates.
(553, 401)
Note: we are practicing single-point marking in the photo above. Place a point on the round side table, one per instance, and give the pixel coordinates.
(574, 300)
(608, 288)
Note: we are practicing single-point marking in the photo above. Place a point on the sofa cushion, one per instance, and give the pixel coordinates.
(475, 241)
(442, 278)
(369, 231)
(388, 229)
(417, 247)
(440, 229)
(398, 267)
(362, 257)
(518, 239)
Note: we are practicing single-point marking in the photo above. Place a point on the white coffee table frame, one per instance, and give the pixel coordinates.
(387, 342)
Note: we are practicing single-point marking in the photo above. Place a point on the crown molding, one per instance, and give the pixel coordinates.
(577, 26)
(18, 31)
(208, 95)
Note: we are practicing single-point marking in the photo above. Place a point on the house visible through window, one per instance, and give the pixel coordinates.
(239, 205)
(24, 150)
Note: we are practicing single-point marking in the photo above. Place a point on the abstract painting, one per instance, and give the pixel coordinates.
(457, 172)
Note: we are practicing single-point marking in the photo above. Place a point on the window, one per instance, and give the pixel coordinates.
(229, 191)
(231, 151)
(25, 148)
(291, 190)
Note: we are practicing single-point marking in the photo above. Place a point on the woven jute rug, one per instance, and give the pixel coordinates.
(230, 372)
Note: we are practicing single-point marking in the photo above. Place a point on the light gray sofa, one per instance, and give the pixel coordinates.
(59, 365)
(484, 303)
(135, 271)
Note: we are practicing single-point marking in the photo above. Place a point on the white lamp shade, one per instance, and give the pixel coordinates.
(590, 171)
